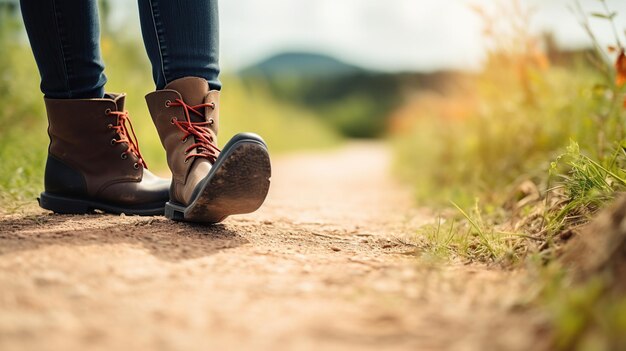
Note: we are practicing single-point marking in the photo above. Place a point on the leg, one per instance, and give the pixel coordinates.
(182, 39)
(65, 36)
(94, 162)
(208, 184)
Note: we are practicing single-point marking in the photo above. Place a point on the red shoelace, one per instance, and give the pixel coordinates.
(204, 144)
(122, 128)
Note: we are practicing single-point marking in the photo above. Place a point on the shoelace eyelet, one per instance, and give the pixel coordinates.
(136, 165)
(186, 160)
(110, 126)
(167, 103)
(185, 140)
(211, 121)
(107, 111)
(173, 120)
(125, 132)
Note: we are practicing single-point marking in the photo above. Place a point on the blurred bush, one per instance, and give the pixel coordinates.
(499, 139)
(23, 138)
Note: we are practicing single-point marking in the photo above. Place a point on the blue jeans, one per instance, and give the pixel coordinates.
(180, 36)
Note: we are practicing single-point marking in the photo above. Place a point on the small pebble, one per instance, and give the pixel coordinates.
(566, 235)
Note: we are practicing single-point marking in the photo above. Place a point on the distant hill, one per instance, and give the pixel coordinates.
(301, 64)
(353, 100)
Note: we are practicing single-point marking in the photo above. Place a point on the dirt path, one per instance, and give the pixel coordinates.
(327, 264)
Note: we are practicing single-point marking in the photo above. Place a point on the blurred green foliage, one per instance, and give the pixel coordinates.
(357, 104)
(506, 140)
(584, 316)
(23, 136)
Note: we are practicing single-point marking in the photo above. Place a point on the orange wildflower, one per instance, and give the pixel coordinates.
(620, 68)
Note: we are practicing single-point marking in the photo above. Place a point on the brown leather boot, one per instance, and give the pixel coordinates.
(94, 161)
(208, 184)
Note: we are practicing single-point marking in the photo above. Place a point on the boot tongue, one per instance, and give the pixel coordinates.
(118, 99)
(193, 90)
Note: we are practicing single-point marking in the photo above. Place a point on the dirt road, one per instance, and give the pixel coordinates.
(329, 263)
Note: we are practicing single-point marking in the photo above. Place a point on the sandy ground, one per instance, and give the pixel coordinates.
(329, 263)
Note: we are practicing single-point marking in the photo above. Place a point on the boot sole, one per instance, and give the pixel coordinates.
(237, 184)
(67, 205)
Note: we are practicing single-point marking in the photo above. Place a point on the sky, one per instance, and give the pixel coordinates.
(389, 35)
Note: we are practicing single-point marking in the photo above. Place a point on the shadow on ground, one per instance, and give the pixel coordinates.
(163, 238)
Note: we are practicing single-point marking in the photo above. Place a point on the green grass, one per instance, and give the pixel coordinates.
(23, 138)
(585, 186)
(583, 315)
(471, 237)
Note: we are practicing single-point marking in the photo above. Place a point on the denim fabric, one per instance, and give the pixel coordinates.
(181, 38)
(64, 36)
